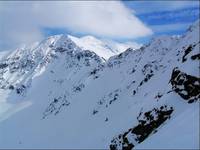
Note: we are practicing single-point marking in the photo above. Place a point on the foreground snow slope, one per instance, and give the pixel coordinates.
(179, 133)
(55, 94)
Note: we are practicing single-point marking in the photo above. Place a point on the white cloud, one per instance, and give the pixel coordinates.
(23, 21)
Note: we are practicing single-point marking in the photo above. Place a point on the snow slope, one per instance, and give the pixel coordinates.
(57, 94)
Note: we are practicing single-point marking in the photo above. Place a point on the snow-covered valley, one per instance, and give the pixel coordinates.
(67, 92)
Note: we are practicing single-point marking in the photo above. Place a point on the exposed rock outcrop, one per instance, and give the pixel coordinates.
(150, 121)
(187, 86)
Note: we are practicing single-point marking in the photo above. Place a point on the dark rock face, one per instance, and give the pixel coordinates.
(187, 86)
(20, 89)
(3, 65)
(187, 51)
(196, 57)
(94, 112)
(11, 87)
(60, 49)
(87, 54)
(148, 122)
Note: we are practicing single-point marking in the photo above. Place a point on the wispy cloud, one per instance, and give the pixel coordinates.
(170, 27)
(149, 6)
(22, 22)
(166, 17)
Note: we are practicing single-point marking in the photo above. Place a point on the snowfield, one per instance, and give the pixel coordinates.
(84, 93)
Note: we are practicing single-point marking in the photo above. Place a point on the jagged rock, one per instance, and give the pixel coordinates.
(3, 65)
(55, 106)
(94, 112)
(187, 51)
(11, 87)
(187, 86)
(60, 49)
(94, 71)
(194, 57)
(21, 89)
(147, 125)
(134, 92)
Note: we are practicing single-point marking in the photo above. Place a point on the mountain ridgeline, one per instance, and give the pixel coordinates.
(61, 93)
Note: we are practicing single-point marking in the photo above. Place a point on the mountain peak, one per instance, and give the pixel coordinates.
(103, 48)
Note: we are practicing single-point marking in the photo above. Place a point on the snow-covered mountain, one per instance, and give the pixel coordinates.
(103, 48)
(61, 93)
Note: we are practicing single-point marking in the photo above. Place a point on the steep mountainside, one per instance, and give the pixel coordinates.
(57, 94)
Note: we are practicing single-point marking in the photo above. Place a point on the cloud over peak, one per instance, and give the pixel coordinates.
(23, 21)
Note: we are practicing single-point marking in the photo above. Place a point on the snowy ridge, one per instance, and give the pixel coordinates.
(103, 48)
(58, 94)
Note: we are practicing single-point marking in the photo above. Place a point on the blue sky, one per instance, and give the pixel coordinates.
(137, 21)
(163, 18)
